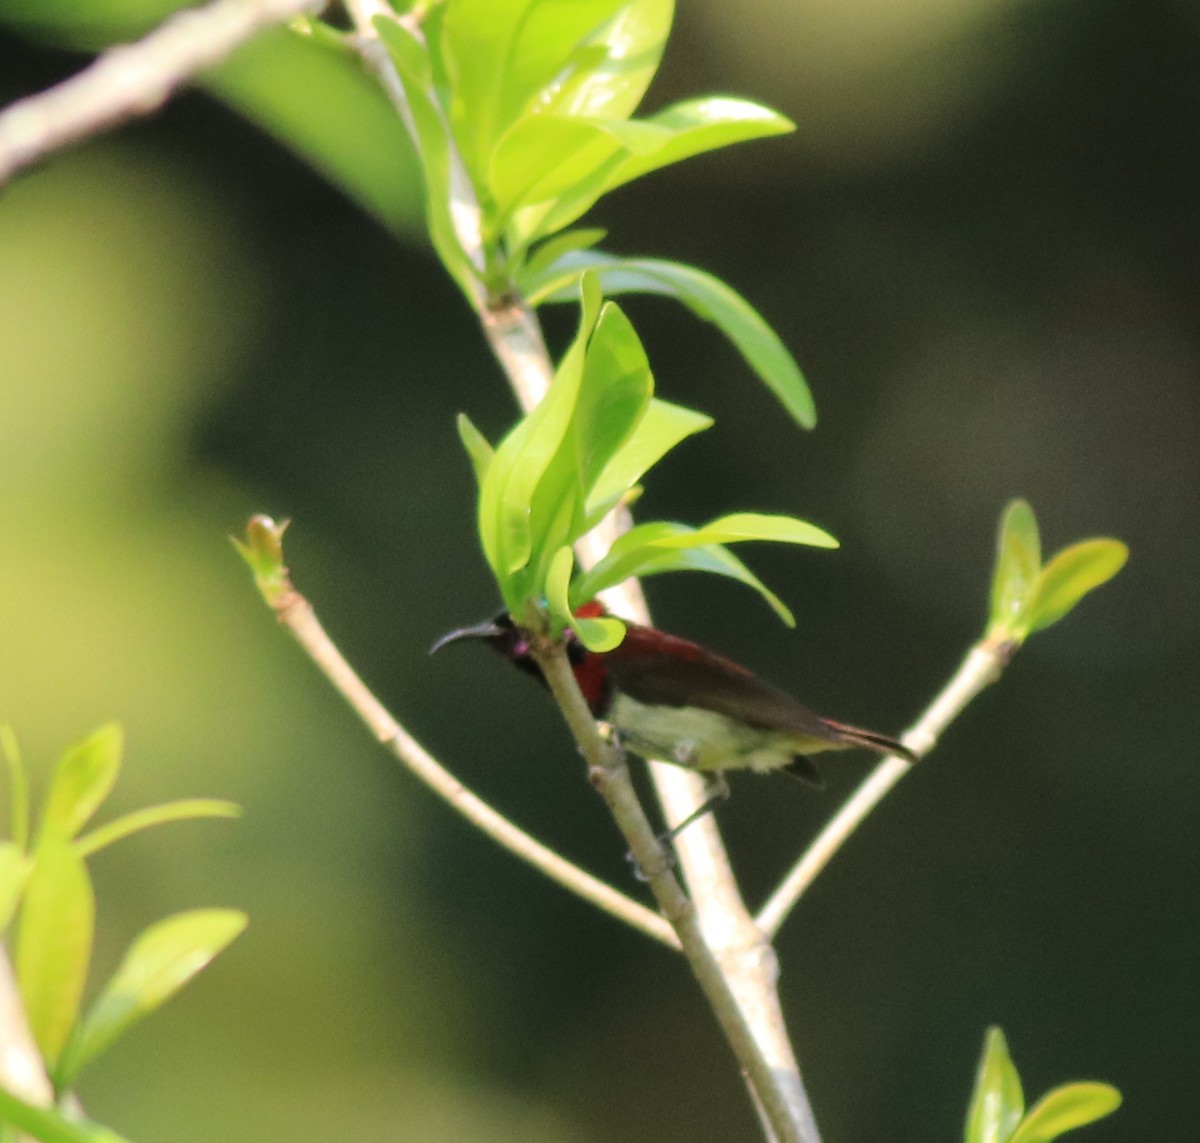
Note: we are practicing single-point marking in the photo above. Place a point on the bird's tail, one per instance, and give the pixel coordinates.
(880, 743)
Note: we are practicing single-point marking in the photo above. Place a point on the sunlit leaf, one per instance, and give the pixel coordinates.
(49, 1124)
(522, 458)
(558, 581)
(1018, 565)
(743, 526)
(997, 1103)
(707, 297)
(186, 809)
(158, 964)
(434, 145)
(1065, 1108)
(82, 780)
(14, 872)
(699, 125)
(477, 446)
(500, 54)
(661, 428)
(1070, 575)
(54, 941)
(608, 73)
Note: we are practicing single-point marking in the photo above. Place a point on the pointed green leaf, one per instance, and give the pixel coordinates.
(558, 581)
(18, 786)
(700, 125)
(49, 1124)
(477, 446)
(15, 868)
(998, 1102)
(434, 146)
(522, 458)
(608, 73)
(498, 56)
(1070, 575)
(1018, 565)
(654, 548)
(661, 428)
(83, 779)
(742, 526)
(561, 244)
(1065, 1108)
(707, 297)
(544, 157)
(158, 964)
(186, 809)
(54, 942)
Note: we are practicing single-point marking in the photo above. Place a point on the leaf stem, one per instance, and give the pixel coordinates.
(982, 666)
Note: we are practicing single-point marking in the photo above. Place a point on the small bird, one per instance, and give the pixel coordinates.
(671, 699)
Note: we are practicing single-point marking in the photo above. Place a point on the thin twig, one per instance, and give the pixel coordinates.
(982, 666)
(134, 79)
(297, 615)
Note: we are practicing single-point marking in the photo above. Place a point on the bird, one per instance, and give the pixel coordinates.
(670, 699)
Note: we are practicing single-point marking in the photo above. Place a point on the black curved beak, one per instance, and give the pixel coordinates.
(488, 630)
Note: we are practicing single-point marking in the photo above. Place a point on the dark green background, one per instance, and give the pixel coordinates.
(982, 246)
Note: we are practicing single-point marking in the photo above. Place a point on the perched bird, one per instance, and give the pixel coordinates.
(671, 699)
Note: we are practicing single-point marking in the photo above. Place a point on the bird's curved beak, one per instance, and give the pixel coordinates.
(488, 630)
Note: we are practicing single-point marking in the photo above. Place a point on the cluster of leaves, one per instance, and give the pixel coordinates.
(530, 104)
(1027, 596)
(997, 1112)
(578, 455)
(45, 885)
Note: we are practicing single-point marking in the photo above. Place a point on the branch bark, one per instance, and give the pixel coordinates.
(134, 79)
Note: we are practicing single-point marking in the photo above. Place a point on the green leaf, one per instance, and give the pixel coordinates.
(707, 297)
(699, 125)
(608, 72)
(499, 55)
(436, 152)
(565, 243)
(15, 868)
(18, 786)
(1065, 1108)
(54, 942)
(1070, 575)
(661, 428)
(316, 98)
(522, 458)
(998, 1102)
(1018, 565)
(672, 135)
(186, 809)
(49, 1124)
(158, 964)
(600, 635)
(742, 526)
(661, 546)
(477, 446)
(552, 157)
(84, 778)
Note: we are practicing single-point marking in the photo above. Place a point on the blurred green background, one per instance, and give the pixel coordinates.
(983, 245)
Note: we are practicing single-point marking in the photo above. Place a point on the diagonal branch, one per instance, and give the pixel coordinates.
(982, 666)
(134, 79)
(297, 615)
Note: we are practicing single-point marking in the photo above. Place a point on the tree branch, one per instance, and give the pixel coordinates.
(134, 79)
(983, 666)
(297, 615)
